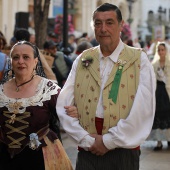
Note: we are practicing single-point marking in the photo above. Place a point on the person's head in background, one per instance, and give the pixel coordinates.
(52, 36)
(84, 35)
(32, 39)
(50, 47)
(162, 52)
(13, 40)
(2, 41)
(130, 42)
(71, 38)
(162, 49)
(84, 45)
(22, 34)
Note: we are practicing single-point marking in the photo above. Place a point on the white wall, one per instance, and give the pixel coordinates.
(9, 8)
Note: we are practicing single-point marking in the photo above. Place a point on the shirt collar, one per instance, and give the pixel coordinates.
(114, 56)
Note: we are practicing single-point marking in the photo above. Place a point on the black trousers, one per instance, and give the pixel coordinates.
(118, 159)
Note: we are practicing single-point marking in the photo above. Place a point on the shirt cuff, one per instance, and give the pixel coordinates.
(108, 142)
(86, 142)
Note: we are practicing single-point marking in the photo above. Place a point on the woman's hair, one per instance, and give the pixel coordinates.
(35, 49)
(39, 69)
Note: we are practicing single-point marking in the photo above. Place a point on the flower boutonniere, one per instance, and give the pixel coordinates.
(86, 61)
(121, 64)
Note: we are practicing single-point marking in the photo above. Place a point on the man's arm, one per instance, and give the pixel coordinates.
(134, 130)
(71, 125)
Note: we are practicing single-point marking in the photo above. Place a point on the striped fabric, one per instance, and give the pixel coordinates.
(118, 159)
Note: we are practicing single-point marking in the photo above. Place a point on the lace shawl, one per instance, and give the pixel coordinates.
(45, 89)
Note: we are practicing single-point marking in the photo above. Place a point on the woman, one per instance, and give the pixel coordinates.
(27, 101)
(161, 125)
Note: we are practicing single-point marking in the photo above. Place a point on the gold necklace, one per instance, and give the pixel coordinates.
(17, 86)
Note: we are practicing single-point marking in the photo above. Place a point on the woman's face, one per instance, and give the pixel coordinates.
(23, 61)
(162, 51)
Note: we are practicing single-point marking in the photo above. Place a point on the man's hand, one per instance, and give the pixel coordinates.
(98, 148)
(71, 111)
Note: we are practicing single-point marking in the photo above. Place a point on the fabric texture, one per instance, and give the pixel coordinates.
(55, 157)
(87, 89)
(118, 159)
(126, 133)
(162, 113)
(21, 117)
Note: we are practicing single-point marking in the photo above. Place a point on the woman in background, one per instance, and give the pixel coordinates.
(161, 126)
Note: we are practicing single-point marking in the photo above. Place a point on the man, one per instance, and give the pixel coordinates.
(61, 64)
(113, 87)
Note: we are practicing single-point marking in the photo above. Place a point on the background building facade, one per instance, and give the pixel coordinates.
(141, 15)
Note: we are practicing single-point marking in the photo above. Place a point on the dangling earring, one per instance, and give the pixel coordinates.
(34, 72)
(9, 74)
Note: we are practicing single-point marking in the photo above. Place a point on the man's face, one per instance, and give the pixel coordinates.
(107, 28)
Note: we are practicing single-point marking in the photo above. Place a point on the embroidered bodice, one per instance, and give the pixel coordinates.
(23, 116)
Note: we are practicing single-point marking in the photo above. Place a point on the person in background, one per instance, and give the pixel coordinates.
(72, 42)
(61, 65)
(109, 84)
(136, 43)
(130, 43)
(161, 126)
(32, 39)
(141, 42)
(152, 49)
(13, 41)
(52, 36)
(3, 41)
(125, 39)
(3, 58)
(84, 45)
(84, 35)
(27, 103)
(94, 42)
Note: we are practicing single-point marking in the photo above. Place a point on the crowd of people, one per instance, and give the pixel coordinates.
(97, 93)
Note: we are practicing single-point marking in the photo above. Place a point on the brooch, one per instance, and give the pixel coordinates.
(34, 142)
(86, 61)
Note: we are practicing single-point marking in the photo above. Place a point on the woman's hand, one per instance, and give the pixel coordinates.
(71, 111)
